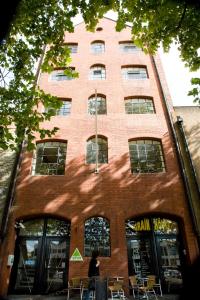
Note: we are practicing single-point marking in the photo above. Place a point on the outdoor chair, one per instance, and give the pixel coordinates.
(74, 284)
(116, 289)
(134, 285)
(84, 287)
(155, 284)
(148, 288)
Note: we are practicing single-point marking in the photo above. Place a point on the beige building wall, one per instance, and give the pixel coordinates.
(191, 124)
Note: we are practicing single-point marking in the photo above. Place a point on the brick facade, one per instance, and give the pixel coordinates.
(114, 193)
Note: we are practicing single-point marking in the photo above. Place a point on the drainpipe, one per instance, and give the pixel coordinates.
(180, 159)
(12, 186)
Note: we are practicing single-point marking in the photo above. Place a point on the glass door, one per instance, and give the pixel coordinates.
(56, 259)
(27, 264)
(170, 263)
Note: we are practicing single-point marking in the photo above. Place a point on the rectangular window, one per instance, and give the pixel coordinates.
(139, 106)
(146, 156)
(128, 47)
(50, 158)
(63, 111)
(73, 47)
(134, 73)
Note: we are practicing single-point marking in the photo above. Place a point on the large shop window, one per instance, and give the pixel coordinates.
(41, 256)
(64, 110)
(98, 103)
(146, 156)
(97, 236)
(128, 47)
(50, 158)
(134, 72)
(139, 105)
(97, 72)
(101, 147)
(154, 247)
(97, 47)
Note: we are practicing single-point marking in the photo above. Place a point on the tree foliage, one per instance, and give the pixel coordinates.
(38, 23)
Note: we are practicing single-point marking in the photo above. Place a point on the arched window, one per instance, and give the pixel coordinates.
(146, 156)
(61, 74)
(139, 105)
(97, 47)
(98, 102)
(134, 72)
(49, 158)
(97, 236)
(97, 72)
(64, 110)
(102, 147)
(128, 47)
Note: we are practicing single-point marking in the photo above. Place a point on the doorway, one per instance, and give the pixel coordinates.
(41, 257)
(154, 247)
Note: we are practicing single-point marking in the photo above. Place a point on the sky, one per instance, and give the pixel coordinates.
(177, 75)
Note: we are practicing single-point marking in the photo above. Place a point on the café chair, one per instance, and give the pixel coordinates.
(134, 285)
(84, 287)
(116, 289)
(74, 284)
(148, 289)
(155, 284)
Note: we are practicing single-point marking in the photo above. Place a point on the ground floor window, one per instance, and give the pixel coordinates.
(154, 247)
(41, 256)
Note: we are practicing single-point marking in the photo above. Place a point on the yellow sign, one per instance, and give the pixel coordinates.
(76, 256)
(143, 225)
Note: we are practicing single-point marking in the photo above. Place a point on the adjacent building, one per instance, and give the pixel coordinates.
(109, 179)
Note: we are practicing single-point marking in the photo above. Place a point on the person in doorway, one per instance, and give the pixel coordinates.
(93, 273)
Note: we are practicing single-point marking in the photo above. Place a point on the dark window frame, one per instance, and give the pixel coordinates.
(97, 236)
(146, 156)
(49, 158)
(139, 105)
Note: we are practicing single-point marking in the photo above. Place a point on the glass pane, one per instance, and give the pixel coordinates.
(170, 263)
(32, 228)
(27, 265)
(97, 236)
(165, 226)
(56, 265)
(142, 257)
(57, 228)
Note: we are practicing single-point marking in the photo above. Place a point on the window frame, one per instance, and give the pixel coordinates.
(97, 68)
(55, 74)
(73, 47)
(96, 237)
(132, 48)
(146, 158)
(103, 152)
(95, 47)
(50, 168)
(130, 72)
(132, 103)
(66, 110)
(101, 104)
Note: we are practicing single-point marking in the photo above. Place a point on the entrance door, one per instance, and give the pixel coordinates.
(169, 262)
(153, 248)
(41, 261)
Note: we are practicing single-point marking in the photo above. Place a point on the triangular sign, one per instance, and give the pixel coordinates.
(76, 256)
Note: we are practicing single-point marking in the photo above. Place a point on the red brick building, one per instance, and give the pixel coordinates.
(133, 208)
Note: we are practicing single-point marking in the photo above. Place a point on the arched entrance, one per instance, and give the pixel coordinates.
(41, 256)
(154, 247)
